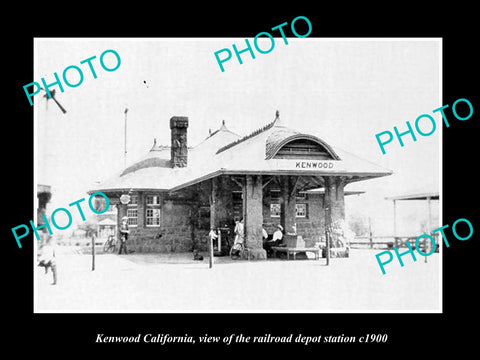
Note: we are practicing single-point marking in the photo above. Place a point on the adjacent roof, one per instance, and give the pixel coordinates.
(44, 188)
(224, 152)
(107, 222)
(158, 156)
(345, 192)
(434, 195)
(420, 192)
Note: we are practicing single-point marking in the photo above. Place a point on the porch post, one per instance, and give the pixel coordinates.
(287, 205)
(328, 218)
(395, 222)
(334, 215)
(429, 225)
(253, 219)
(213, 200)
(221, 206)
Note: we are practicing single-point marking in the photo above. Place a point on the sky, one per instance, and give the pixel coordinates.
(342, 90)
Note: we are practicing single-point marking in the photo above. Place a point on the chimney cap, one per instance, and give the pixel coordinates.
(179, 122)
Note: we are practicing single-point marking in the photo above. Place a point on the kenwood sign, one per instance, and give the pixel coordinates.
(287, 164)
(313, 165)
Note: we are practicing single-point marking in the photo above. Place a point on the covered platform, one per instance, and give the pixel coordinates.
(179, 192)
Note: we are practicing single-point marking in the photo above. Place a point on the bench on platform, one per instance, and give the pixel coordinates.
(295, 250)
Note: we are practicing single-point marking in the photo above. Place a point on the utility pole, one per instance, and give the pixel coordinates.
(328, 217)
(429, 224)
(370, 232)
(93, 252)
(210, 252)
(125, 154)
(328, 232)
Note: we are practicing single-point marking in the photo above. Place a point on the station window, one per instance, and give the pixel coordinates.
(132, 214)
(153, 200)
(133, 200)
(274, 196)
(303, 148)
(275, 210)
(132, 211)
(301, 210)
(153, 217)
(152, 212)
(275, 203)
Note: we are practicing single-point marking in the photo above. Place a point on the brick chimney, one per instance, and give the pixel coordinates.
(179, 151)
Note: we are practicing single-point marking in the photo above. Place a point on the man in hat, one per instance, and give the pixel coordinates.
(124, 231)
(275, 241)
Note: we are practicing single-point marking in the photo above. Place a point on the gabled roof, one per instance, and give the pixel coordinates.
(255, 133)
(211, 144)
(222, 128)
(154, 171)
(279, 135)
(107, 222)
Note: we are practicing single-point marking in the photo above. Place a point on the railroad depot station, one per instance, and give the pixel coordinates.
(275, 175)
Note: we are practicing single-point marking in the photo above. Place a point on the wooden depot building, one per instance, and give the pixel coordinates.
(178, 192)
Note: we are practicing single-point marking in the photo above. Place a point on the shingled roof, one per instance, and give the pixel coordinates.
(279, 135)
(255, 133)
(158, 156)
(224, 152)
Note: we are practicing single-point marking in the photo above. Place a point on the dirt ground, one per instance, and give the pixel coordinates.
(175, 283)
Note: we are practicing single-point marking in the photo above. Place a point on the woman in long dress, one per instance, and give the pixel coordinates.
(239, 238)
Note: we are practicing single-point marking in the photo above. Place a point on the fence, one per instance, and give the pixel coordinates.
(371, 242)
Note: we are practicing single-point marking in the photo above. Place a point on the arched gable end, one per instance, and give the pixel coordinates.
(147, 163)
(301, 146)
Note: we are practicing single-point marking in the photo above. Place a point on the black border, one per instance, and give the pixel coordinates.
(77, 332)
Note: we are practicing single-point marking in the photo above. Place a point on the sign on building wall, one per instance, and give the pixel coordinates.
(307, 164)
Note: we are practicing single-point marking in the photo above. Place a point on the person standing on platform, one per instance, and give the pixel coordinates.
(124, 232)
(47, 256)
(213, 236)
(239, 237)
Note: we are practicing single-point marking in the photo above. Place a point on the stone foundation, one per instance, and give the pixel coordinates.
(336, 252)
(186, 216)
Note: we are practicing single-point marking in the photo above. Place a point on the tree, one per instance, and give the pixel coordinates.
(358, 223)
(89, 226)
